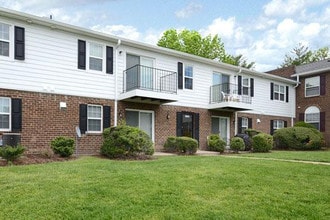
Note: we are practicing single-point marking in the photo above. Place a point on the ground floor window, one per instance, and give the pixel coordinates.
(277, 124)
(220, 125)
(141, 119)
(5, 114)
(312, 116)
(243, 124)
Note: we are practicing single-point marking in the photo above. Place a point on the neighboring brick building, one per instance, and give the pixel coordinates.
(312, 93)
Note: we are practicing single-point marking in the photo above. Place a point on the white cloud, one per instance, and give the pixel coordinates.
(283, 8)
(310, 30)
(189, 10)
(128, 32)
(224, 28)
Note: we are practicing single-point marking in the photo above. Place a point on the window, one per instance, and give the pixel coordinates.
(142, 120)
(188, 77)
(279, 92)
(312, 116)
(312, 86)
(278, 124)
(245, 86)
(5, 114)
(245, 125)
(4, 40)
(94, 118)
(95, 56)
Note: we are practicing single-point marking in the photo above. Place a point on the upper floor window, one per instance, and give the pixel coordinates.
(312, 116)
(279, 92)
(188, 77)
(312, 86)
(5, 114)
(94, 118)
(4, 40)
(245, 86)
(95, 56)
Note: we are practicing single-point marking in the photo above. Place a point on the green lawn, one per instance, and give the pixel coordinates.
(319, 156)
(171, 187)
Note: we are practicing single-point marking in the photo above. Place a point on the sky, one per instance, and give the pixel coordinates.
(263, 31)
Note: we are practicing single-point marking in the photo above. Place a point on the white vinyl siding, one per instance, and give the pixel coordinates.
(94, 118)
(5, 116)
(4, 39)
(312, 86)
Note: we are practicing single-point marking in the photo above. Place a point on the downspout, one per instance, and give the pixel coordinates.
(116, 84)
(297, 84)
(235, 120)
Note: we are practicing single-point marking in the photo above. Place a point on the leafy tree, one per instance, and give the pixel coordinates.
(302, 55)
(193, 43)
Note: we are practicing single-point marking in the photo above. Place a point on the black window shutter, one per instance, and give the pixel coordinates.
(179, 124)
(239, 125)
(301, 116)
(196, 126)
(239, 83)
(322, 84)
(16, 115)
(83, 118)
(110, 60)
(285, 124)
(322, 121)
(271, 91)
(180, 75)
(271, 127)
(81, 54)
(106, 116)
(252, 86)
(287, 94)
(249, 123)
(19, 43)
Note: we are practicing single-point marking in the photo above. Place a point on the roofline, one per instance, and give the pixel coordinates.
(312, 72)
(32, 19)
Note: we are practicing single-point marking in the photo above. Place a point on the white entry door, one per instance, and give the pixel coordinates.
(147, 70)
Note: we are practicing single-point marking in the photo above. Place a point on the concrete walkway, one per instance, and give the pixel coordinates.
(212, 153)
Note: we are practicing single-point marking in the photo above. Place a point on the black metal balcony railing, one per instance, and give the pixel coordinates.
(148, 78)
(228, 92)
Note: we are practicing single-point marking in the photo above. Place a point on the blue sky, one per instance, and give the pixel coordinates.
(262, 30)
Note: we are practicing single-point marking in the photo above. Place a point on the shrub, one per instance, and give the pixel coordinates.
(125, 142)
(186, 145)
(251, 132)
(247, 141)
(262, 142)
(237, 144)
(170, 144)
(11, 153)
(215, 143)
(298, 138)
(63, 146)
(181, 145)
(304, 124)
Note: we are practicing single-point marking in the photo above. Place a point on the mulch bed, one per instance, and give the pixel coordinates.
(36, 159)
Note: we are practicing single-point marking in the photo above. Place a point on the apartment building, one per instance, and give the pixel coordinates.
(57, 79)
(312, 93)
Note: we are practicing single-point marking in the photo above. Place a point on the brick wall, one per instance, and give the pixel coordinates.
(322, 102)
(43, 120)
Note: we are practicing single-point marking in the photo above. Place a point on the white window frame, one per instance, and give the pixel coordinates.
(279, 92)
(7, 113)
(278, 124)
(152, 118)
(245, 124)
(313, 112)
(246, 86)
(95, 118)
(101, 58)
(312, 87)
(188, 77)
(10, 41)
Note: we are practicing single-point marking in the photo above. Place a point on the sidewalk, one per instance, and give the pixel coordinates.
(199, 152)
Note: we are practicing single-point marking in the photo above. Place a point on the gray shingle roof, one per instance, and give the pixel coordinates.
(311, 67)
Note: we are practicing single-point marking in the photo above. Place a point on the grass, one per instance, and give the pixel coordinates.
(173, 187)
(318, 156)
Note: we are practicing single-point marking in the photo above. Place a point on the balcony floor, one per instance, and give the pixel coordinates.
(148, 97)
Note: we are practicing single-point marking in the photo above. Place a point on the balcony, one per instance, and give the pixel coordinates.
(144, 84)
(229, 97)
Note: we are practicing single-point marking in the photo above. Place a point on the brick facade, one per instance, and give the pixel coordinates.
(43, 120)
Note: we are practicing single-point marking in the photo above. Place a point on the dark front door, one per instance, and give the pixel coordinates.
(188, 125)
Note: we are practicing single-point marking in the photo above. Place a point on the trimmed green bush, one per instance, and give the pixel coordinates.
(298, 138)
(247, 141)
(215, 143)
(237, 144)
(252, 132)
(126, 142)
(181, 145)
(304, 124)
(170, 145)
(10, 153)
(63, 146)
(262, 142)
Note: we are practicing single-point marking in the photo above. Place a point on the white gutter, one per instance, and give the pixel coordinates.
(298, 83)
(116, 83)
